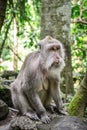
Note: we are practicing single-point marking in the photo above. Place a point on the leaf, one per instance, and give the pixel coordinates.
(75, 11)
(85, 3)
(84, 14)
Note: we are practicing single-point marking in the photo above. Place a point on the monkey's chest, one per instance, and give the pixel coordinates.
(42, 84)
(43, 90)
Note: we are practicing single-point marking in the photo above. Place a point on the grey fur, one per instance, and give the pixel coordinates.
(39, 81)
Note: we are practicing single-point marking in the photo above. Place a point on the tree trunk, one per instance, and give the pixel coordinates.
(55, 21)
(3, 4)
(79, 102)
(15, 62)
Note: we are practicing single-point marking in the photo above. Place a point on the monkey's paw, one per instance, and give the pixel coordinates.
(32, 116)
(45, 119)
(62, 112)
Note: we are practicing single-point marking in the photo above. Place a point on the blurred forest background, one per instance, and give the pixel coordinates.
(20, 34)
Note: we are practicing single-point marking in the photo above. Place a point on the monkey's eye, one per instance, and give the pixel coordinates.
(58, 47)
(54, 48)
(51, 49)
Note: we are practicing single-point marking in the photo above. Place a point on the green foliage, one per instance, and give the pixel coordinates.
(75, 11)
(79, 38)
(5, 55)
(27, 15)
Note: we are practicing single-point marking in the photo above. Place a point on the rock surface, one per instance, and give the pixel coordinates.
(8, 73)
(58, 123)
(5, 94)
(65, 123)
(3, 110)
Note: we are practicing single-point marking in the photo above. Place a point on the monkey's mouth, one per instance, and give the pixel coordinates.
(55, 65)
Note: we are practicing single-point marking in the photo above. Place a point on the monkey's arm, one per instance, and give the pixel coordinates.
(56, 96)
(36, 104)
(55, 91)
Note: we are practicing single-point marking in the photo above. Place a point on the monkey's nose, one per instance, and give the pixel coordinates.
(57, 57)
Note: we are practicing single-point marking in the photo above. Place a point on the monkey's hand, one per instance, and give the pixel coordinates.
(45, 119)
(32, 116)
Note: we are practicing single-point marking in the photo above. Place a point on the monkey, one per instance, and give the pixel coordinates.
(38, 81)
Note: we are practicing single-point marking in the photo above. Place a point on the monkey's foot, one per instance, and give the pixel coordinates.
(62, 112)
(54, 109)
(59, 111)
(51, 108)
(45, 119)
(32, 116)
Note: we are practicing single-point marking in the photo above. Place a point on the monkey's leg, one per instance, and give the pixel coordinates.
(26, 109)
(20, 102)
(37, 105)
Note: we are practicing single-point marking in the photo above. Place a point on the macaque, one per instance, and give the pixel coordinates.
(39, 81)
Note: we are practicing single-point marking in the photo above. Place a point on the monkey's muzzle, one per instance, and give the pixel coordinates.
(56, 64)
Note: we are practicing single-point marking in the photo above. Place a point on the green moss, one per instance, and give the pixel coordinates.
(77, 105)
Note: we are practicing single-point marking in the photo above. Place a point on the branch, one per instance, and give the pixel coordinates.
(83, 22)
(81, 49)
(79, 21)
(8, 26)
(14, 53)
(3, 5)
(5, 37)
(32, 29)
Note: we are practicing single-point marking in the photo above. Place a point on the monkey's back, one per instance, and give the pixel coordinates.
(31, 57)
(30, 67)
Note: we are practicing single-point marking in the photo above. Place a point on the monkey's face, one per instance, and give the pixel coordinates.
(54, 59)
(53, 55)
